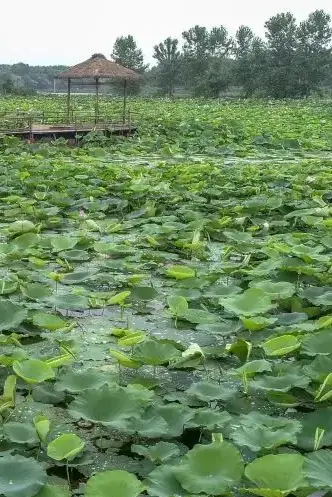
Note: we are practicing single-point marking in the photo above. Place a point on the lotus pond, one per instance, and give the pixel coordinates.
(165, 308)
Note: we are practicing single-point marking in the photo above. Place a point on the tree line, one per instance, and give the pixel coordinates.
(293, 60)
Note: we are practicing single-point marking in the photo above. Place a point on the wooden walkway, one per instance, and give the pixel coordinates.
(70, 132)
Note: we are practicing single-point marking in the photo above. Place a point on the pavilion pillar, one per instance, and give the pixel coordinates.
(68, 99)
(97, 102)
(124, 101)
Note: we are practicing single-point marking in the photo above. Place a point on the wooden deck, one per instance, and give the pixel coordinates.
(70, 132)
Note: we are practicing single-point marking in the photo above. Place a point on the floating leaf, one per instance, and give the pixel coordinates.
(42, 426)
(78, 381)
(22, 226)
(257, 323)
(281, 345)
(177, 304)
(155, 353)
(36, 291)
(162, 483)
(54, 491)
(21, 433)
(144, 293)
(66, 446)
(11, 315)
(211, 469)
(124, 360)
(283, 472)
(259, 431)
(252, 302)
(60, 243)
(48, 321)
(160, 452)
(107, 405)
(33, 370)
(317, 468)
(180, 272)
(113, 484)
(275, 289)
(119, 298)
(322, 419)
(208, 391)
(198, 316)
(20, 477)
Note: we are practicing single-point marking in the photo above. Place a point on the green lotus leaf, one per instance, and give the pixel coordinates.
(160, 452)
(70, 302)
(119, 298)
(144, 293)
(60, 243)
(253, 367)
(66, 446)
(281, 399)
(260, 431)
(319, 343)
(176, 417)
(257, 323)
(77, 277)
(25, 241)
(209, 419)
(180, 272)
(275, 289)
(319, 368)
(21, 433)
(282, 383)
(20, 477)
(114, 484)
(124, 360)
(208, 391)
(36, 291)
(318, 295)
(42, 426)
(107, 405)
(177, 305)
(252, 302)
(75, 255)
(33, 370)
(23, 226)
(317, 469)
(319, 419)
(281, 345)
(162, 483)
(78, 381)
(198, 316)
(48, 321)
(8, 286)
(283, 472)
(211, 469)
(11, 315)
(54, 491)
(155, 353)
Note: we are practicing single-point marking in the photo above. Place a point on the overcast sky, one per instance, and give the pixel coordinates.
(42, 32)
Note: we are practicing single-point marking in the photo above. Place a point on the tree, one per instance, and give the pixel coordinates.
(203, 53)
(251, 56)
(126, 53)
(314, 51)
(282, 45)
(169, 64)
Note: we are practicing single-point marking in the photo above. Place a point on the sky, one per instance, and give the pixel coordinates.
(39, 32)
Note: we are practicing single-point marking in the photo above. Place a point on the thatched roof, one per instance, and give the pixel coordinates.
(98, 67)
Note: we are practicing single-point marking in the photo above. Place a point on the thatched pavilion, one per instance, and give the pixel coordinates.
(95, 71)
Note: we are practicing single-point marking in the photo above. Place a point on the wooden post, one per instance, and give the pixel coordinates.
(124, 101)
(68, 100)
(54, 80)
(97, 102)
